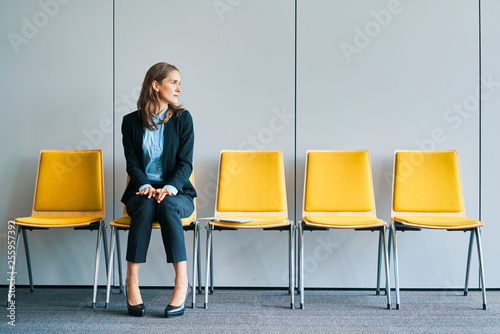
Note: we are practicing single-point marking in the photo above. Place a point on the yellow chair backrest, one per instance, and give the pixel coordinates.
(69, 181)
(338, 181)
(251, 181)
(427, 182)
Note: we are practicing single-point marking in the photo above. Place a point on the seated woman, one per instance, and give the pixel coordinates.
(158, 141)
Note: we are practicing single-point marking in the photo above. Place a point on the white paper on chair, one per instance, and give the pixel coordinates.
(230, 219)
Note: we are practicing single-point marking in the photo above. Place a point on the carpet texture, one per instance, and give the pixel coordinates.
(68, 310)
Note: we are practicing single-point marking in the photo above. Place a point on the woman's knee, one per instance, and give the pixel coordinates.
(180, 205)
(168, 203)
(141, 207)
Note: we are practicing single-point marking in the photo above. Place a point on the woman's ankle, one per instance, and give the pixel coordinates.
(182, 282)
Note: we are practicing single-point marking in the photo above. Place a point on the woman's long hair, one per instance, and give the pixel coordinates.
(149, 101)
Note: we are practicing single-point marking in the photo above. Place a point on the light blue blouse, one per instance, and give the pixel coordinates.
(152, 146)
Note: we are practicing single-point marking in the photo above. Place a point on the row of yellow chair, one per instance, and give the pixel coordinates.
(338, 194)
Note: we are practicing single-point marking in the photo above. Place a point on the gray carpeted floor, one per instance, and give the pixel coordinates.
(68, 310)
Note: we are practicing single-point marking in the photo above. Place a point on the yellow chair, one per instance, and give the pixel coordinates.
(123, 224)
(69, 192)
(250, 186)
(427, 193)
(338, 194)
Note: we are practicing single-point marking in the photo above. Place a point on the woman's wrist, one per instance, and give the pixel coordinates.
(171, 188)
(144, 187)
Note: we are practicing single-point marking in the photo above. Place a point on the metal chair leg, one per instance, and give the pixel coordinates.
(28, 257)
(297, 259)
(12, 277)
(105, 245)
(291, 265)
(111, 256)
(119, 261)
(96, 269)
(211, 262)
(301, 261)
(389, 242)
(379, 263)
(208, 263)
(387, 277)
(195, 261)
(481, 267)
(467, 270)
(290, 241)
(396, 272)
(199, 259)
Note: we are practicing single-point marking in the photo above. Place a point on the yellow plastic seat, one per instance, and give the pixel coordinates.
(427, 194)
(250, 195)
(257, 222)
(69, 192)
(338, 194)
(123, 224)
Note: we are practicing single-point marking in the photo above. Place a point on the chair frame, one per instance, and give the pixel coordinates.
(212, 225)
(98, 224)
(400, 226)
(309, 226)
(192, 225)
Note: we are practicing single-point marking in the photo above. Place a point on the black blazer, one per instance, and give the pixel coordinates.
(177, 158)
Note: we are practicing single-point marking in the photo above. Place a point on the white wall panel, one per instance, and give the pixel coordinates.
(490, 150)
(382, 75)
(56, 93)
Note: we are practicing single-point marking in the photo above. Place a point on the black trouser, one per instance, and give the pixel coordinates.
(168, 213)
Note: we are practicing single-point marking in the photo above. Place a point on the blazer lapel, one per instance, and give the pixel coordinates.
(167, 132)
(139, 134)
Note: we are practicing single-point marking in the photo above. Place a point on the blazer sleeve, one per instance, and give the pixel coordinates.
(133, 160)
(184, 159)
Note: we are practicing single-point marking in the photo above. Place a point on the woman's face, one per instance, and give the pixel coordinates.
(169, 89)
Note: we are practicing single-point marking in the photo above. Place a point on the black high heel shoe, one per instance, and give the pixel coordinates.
(177, 311)
(135, 310)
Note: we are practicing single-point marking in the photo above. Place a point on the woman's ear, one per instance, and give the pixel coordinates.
(155, 86)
